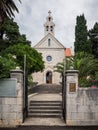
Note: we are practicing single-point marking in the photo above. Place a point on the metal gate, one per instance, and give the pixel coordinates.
(25, 91)
(64, 95)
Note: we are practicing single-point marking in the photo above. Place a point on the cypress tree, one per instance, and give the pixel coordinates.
(81, 43)
(93, 35)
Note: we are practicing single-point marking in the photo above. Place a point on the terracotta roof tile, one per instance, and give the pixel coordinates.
(68, 52)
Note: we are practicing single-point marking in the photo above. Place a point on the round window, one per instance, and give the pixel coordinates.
(49, 58)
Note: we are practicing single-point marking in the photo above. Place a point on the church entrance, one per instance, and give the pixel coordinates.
(49, 77)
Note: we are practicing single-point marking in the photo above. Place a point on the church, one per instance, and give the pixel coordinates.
(52, 51)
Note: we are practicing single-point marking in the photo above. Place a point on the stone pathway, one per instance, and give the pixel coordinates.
(53, 128)
(43, 97)
(44, 122)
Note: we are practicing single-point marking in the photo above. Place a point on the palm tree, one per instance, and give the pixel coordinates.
(85, 63)
(7, 8)
(67, 62)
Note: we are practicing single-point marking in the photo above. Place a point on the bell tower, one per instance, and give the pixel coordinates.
(49, 25)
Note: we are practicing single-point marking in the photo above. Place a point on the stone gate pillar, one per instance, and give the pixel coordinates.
(18, 74)
(71, 93)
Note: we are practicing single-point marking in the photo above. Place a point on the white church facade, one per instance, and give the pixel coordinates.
(52, 51)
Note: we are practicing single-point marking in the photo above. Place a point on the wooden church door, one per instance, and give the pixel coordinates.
(49, 77)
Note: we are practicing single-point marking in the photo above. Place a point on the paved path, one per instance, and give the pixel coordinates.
(44, 97)
(44, 122)
(52, 128)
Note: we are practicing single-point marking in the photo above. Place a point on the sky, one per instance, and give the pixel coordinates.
(32, 16)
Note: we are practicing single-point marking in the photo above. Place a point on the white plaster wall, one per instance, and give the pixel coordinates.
(38, 77)
(56, 51)
(57, 56)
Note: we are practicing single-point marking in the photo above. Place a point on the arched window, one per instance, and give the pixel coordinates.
(49, 42)
(49, 18)
(47, 28)
(51, 28)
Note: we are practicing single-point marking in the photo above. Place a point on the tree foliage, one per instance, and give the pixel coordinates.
(93, 35)
(11, 35)
(6, 64)
(65, 65)
(84, 62)
(81, 43)
(7, 8)
(15, 44)
(34, 61)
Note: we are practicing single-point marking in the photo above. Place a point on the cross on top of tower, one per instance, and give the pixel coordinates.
(49, 12)
(49, 24)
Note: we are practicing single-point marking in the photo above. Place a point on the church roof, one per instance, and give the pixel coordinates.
(38, 45)
(68, 52)
(49, 41)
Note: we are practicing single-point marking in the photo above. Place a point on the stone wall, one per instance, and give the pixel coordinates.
(81, 104)
(11, 108)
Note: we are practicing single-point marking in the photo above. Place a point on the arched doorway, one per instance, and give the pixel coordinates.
(49, 77)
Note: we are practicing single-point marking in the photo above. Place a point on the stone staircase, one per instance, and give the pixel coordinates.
(47, 102)
(46, 88)
(45, 109)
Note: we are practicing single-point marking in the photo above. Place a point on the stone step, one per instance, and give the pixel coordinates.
(45, 107)
(44, 111)
(45, 101)
(45, 104)
(44, 115)
(46, 88)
